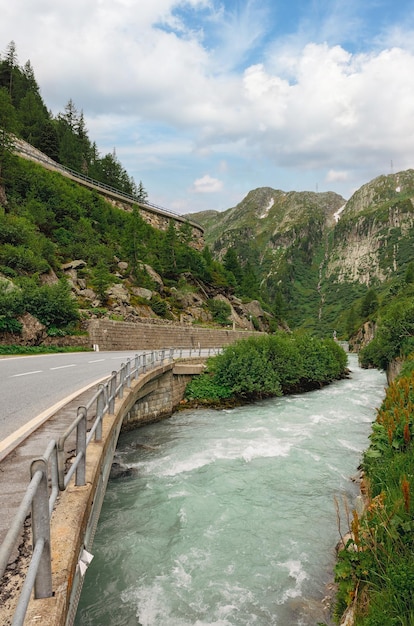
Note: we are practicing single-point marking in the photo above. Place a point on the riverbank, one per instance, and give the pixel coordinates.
(375, 571)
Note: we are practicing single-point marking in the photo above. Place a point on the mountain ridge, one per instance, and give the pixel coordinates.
(315, 250)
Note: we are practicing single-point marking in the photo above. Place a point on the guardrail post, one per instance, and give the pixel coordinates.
(112, 393)
(80, 479)
(162, 356)
(100, 408)
(136, 366)
(121, 380)
(144, 362)
(128, 373)
(41, 531)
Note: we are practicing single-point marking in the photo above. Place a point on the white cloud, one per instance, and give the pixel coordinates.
(335, 175)
(207, 184)
(179, 94)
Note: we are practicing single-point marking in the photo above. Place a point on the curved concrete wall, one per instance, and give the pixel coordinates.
(153, 396)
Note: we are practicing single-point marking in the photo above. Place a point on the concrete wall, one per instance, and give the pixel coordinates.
(111, 335)
(161, 394)
(151, 397)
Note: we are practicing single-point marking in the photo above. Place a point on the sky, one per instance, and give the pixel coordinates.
(205, 100)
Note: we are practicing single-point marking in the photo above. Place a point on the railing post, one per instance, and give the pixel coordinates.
(80, 479)
(121, 380)
(128, 373)
(61, 463)
(144, 362)
(41, 530)
(100, 408)
(112, 393)
(136, 366)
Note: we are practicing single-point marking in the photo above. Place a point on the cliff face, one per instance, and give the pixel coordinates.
(373, 238)
(319, 251)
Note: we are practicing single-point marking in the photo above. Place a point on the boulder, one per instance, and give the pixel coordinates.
(141, 292)
(33, 331)
(120, 470)
(254, 308)
(74, 265)
(119, 293)
(153, 275)
(88, 294)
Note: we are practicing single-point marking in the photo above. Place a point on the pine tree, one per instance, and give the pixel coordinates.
(141, 193)
(8, 126)
(9, 66)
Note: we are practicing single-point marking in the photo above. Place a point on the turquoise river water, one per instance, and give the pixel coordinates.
(230, 517)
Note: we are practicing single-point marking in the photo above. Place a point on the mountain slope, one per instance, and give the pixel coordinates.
(316, 254)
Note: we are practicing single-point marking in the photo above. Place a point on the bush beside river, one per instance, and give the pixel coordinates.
(270, 365)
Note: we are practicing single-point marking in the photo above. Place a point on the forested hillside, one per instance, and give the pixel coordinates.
(64, 137)
(67, 255)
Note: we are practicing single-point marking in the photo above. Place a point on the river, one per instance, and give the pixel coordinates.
(230, 517)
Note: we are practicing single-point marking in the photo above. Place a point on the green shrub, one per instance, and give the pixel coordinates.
(269, 365)
(52, 305)
(220, 311)
(22, 259)
(395, 336)
(11, 300)
(10, 325)
(204, 387)
(159, 306)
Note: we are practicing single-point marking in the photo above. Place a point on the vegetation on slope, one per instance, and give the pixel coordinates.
(375, 570)
(395, 320)
(49, 220)
(46, 220)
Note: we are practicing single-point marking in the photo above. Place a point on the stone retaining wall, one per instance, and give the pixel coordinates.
(111, 335)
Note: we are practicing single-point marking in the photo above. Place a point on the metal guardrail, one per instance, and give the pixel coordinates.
(21, 148)
(49, 474)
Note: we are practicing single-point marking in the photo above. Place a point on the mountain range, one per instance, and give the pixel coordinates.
(316, 255)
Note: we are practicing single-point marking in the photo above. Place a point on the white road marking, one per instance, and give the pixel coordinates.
(62, 367)
(27, 373)
(97, 361)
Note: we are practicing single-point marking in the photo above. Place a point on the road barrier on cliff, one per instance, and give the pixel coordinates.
(32, 153)
(50, 474)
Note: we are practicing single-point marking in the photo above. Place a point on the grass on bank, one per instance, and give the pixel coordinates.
(375, 571)
(22, 350)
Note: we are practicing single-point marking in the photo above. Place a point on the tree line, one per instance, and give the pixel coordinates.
(64, 137)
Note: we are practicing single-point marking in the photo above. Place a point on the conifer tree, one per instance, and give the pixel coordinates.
(7, 127)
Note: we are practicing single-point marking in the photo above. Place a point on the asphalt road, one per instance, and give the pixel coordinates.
(31, 385)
